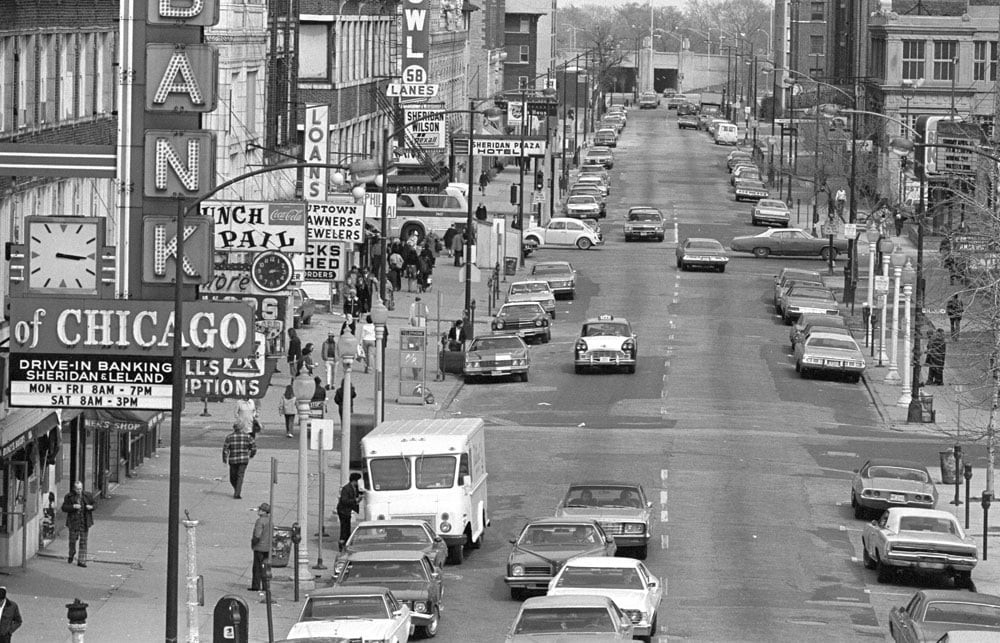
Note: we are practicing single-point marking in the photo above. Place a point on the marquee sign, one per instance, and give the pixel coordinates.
(91, 381)
(416, 41)
(188, 76)
(179, 164)
(502, 145)
(337, 222)
(159, 258)
(255, 226)
(317, 150)
(239, 378)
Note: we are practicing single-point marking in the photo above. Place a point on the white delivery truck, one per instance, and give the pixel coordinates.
(430, 470)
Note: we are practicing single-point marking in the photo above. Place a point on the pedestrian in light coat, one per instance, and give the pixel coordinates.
(78, 505)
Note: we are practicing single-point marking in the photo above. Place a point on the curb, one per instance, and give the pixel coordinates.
(876, 400)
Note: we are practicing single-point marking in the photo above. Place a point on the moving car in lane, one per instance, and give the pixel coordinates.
(750, 189)
(649, 100)
(545, 544)
(687, 121)
(787, 242)
(560, 276)
(809, 322)
(770, 212)
(606, 342)
(357, 613)
(830, 353)
(626, 581)
(920, 540)
(395, 535)
(563, 231)
(931, 614)
(701, 252)
(883, 483)
(621, 508)
(410, 575)
(527, 319)
(497, 356)
(644, 222)
(562, 619)
(536, 290)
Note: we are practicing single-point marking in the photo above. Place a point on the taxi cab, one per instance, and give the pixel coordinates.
(606, 342)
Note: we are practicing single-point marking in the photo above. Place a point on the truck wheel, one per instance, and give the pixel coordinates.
(456, 554)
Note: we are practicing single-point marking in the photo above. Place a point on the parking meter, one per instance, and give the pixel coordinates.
(230, 622)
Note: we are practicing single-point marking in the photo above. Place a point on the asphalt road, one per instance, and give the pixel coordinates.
(747, 464)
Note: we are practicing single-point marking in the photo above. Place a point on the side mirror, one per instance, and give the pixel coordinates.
(438, 539)
(466, 481)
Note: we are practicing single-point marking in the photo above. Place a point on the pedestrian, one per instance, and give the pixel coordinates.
(352, 305)
(237, 450)
(78, 505)
(841, 200)
(294, 353)
(349, 502)
(338, 399)
(562, 185)
(368, 341)
(484, 180)
(955, 308)
(425, 268)
(456, 247)
(456, 336)
(449, 234)
(364, 293)
(396, 264)
(936, 349)
(418, 313)
(308, 362)
(246, 414)
(10, 617)
(411, 261)
(329, 354)
(317, 403)
(288, 408)
(260, 543)
(481, 212)
(899, 219)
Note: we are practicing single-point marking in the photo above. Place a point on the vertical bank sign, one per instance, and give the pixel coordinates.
(416, 41)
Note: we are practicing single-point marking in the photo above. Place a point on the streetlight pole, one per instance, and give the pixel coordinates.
(347, 346)
(520, 192)
(301, 386)
(892, 376)
(908, 276)
(470, 238)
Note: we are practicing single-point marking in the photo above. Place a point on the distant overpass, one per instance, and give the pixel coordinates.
(684, 71)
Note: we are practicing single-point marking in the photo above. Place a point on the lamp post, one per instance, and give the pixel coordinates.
(908, 275)
(380, 315)
(303, 386)
(520, 165)
(897, 260)
(347, 346)
(884, 299)
(872, 236)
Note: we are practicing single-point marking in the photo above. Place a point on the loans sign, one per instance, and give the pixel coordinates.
(317, 150)
(248, 226)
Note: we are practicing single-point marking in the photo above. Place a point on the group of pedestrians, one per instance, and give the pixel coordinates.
(414, 261)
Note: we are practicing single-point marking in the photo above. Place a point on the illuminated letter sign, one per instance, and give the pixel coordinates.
(182, 78)
(159, 239)
(416, 41)
(317, 150)
(179, 164)
(191, 13)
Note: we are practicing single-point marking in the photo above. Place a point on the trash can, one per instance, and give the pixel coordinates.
(927, 408)
(949, 471)
(281, 546)
(509, 266)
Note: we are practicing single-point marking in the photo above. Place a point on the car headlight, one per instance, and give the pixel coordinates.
(635, 616)
(420, 607)
(634, 528)
(581, 346)
(445, 527)
(520, 362)
(498, 325)
(339, 566)
(517, 570)
(628, 346)
(628, 228)
(472, 364)
(538, 323)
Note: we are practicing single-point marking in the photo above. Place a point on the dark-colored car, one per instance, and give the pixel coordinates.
(396, 535)
(528, 319)
(687, 121)
(786, 275)
(620, 508)
(736, 157)
(750, 189)
(644, 222)
(931, 614)
(560, 276)
(806, 298)
(796, 283)
(497, 356)
(883, 483)
(563, 619)
(303, 308)
(787, 242)
(808, 322)
(544, 544)
(702, 253)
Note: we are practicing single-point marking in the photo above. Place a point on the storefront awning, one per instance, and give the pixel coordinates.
(21, 425)
(121, 419)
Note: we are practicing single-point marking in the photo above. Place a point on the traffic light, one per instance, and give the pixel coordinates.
(539, 180)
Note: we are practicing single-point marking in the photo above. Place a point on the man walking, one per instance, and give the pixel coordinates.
(237, 450)
(936, 349)
(350, 501)
(955, 308)
(79, 507)
(260, 543)
(10, 617)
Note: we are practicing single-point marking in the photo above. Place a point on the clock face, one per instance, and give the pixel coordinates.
(63, 255)
(271, 271)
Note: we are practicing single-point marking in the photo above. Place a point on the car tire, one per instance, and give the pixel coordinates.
(859, 511)
(524, 376)
(660, 238)
(753, 221)
(577, 369)
(583, 243)
(722, 268)
(518, 593)
(552, 314)
(630, 369)
(761, 253)
(825, 253)
(456, 554)
(866, 560)
(430, 630)
(963, 580)
(641, 552)
(854, 379)
(546, 338)
(883, 572)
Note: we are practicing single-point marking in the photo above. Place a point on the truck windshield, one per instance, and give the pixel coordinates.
(435, 472)
(390, 474)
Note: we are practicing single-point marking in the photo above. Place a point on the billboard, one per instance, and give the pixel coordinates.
(425, 127)
(255, 226)
(416, 41)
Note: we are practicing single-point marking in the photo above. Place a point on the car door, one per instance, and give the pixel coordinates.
(555, 233)
(902, 619)
(778, 242)
(574, 230)
(654, 589)
(797, 243)
(401, 624)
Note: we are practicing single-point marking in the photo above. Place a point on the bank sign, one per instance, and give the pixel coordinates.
(249, 226)
(125, 327)
(91, 381)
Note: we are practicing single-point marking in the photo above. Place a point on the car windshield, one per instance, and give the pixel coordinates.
(704, 245)
(812, 293)
(582, 199)
(601, 496)
(832, 342)
(549, 269)
(559, 535)
(520, 311)
(644, 216)
(436, 471)
(600, 578)
(538, 286)
(589, 620)
(382, 571)
(771, 203)
(964, 613)
(390, 474)
(389, 536)
(601, 329)
(329, 608)
(899, 473)
(496, 344)
(928, 523)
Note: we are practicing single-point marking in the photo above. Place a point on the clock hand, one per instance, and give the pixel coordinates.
(62, 255)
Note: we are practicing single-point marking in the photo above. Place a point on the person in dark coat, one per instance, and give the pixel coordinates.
(456, 336)
(260, 543)
(338, 398)
(481, 213)
(936, 349)
(484, 180)
(294, 353)
(10, 617)
(411, 261)
(352, 305)
(955, 309)
(349, 502)
(78, 505)
(449, 234)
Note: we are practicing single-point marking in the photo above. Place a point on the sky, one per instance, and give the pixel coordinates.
(656, 3)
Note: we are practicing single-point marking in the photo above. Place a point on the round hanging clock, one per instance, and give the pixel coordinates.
(271, 271)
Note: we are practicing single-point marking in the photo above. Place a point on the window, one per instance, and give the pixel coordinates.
(913, 59)
(524, 53)
(817, 11)
(525, 25)
(945, 59)
(816, 45)
(982, 63)
(250, 121)
(314, 51)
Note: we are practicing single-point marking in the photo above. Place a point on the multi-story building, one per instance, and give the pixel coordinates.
(522, 68)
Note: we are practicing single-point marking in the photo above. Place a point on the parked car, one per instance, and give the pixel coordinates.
(357, 613)
(410, 575)
(545, 544)
(600, 180)
(785, 276)
(563, 231)
(606, 137)
(620, 508)
(533, 290)
(737, 156)
(582, 206)
(321, 293)
(883, 483)
(528, 319)
(746, 170)
(750, 189)
(808, 322)
(560, 619)
(601, 155)
(787, 242)
(687, 121)
(807, 297)
(396, 535)
(594, 191)
(497, 356)
(606, 342)
(303, 307)
(829, 353)
(919, 539)
(644, 222)
(626, 581)
(932, 614)
(560, 276)
(702, 253)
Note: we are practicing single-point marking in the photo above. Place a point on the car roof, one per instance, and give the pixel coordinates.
(610, 562)
(924, 513)
(387, 554)
(561, 264)
(635, 208)
(576, 600)
(822, 319)
(702, 239)
(350, 590)
(789, 272)
(392, 522)
(529, 281)
(552, 520)
(604, 483)
(820, 334)
(500, 335)
(959, 597)
(894, 462)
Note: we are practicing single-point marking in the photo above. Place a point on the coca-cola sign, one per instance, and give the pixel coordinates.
(255, 226)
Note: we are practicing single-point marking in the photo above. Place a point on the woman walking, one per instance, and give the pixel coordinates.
(288, 407)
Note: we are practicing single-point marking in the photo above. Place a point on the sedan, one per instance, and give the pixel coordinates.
(497, 356)
(620, 508)
(527, 319)
(787, 274)
(593, 178)
(881, 484)
(361, 613)
(750, 189)
(626, 581)
(602, 155)
(396, 534)
(829, 353)
(809, 322)
(536, 290)
(770, 211)
(560, 619)
(790, 242)
(606, 341)
(644, 222)
(806, 297)
(748, 171)
(582, 206)
(687, 121)
(931, 614)
(735, 157)
(563, 231)
(584, 189)
(545, 544)
(704, 253)
(606, 137)
(560, 276)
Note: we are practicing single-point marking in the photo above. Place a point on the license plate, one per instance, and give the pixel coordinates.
(497, 372)
(833, 362)
(605, 359)
(897, 497)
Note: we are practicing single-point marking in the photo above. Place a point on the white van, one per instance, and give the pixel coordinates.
(430, 470)
(726, 134)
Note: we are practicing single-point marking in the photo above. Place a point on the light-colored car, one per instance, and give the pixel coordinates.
(644, 222)
(528, 319)
(933, 615)
(770, 212)
(536, 290)
(809, 322)
(702, 253)
(545, 544)
(607, 137)
(621, 508)
(586, 189)
(595, 168)
(497, 356)
(563, 231)
(563, 619)
(830, 353)
(626, 581)
(687, 121)
(559, 274)
(804, 298)
(737, 156)
(919, 539)
(592, 178)
(600, 154)
(582, 206)
(606, 341)
(649, 100)
(397, 535)
(883, 483)
(787, 242)
(358, 613)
